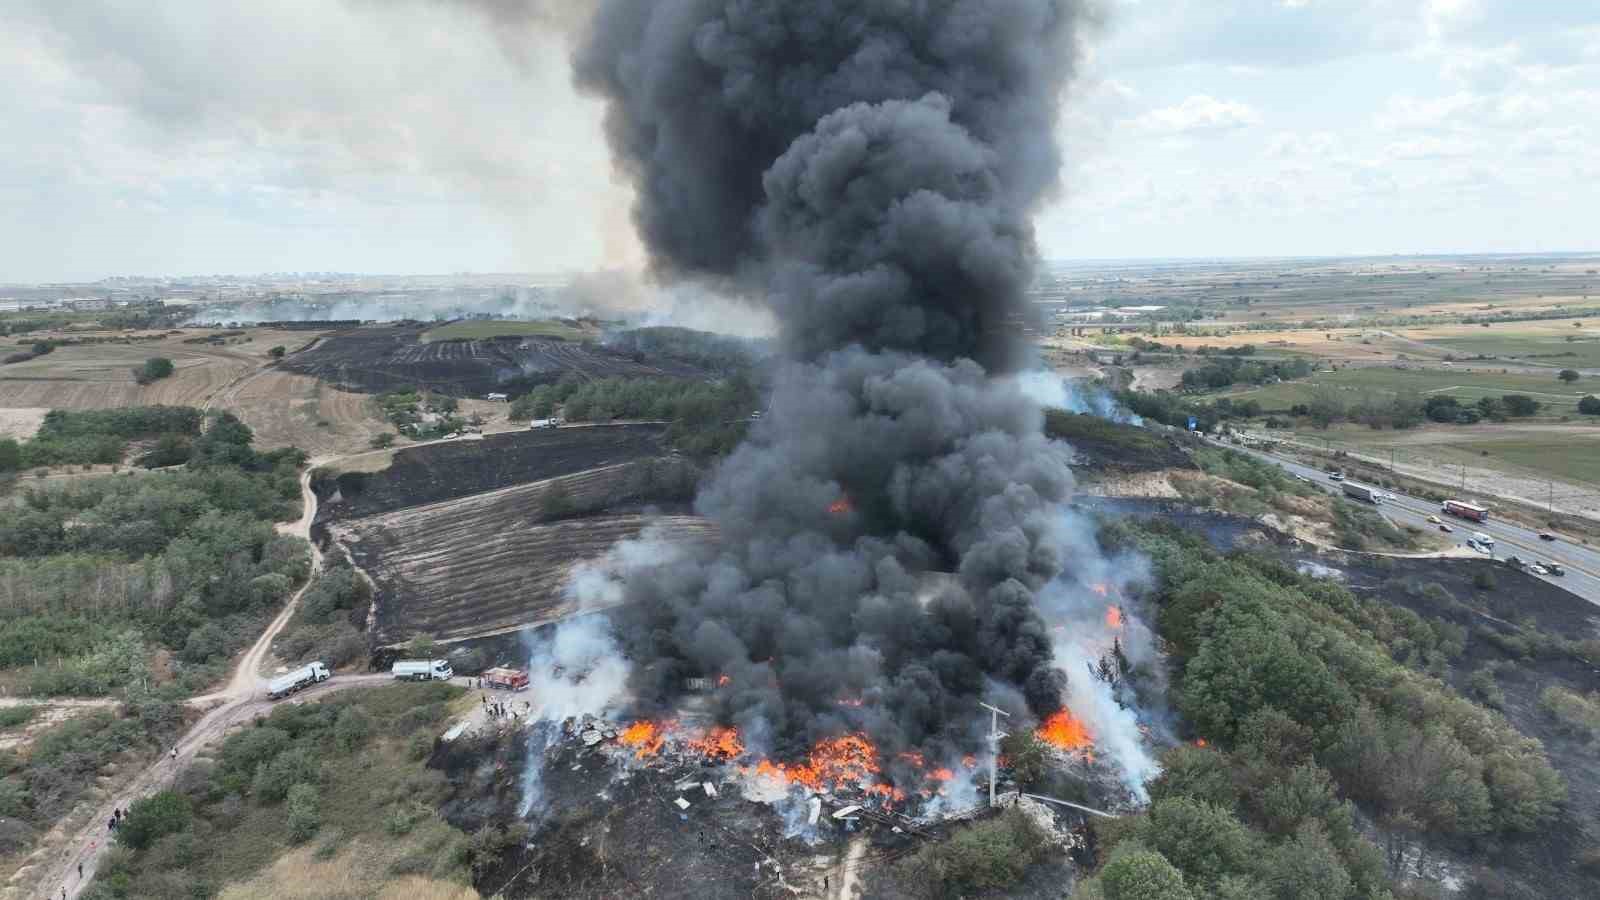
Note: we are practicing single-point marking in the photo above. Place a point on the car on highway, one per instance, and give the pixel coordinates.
(1555, 569)
(1335, 476)
(1445, 528)
(1537, 569)
(1433, 520)
(1546, 536)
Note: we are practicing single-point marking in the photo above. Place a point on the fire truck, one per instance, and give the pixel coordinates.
(1465, 510)
(505, 679)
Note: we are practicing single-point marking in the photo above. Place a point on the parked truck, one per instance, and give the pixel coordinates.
(1362, 492)
(505, 679)
(298, 680)
(422, 670)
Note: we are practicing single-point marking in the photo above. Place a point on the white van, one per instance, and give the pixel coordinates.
(422, 670)
(1483, 540)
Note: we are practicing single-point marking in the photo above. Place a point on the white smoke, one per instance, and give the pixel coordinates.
(1054, 392)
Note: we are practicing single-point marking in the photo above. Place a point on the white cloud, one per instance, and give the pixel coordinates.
(1198, 113)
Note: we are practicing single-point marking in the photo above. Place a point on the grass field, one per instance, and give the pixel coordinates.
(1533, 349)
(1361, 384)
(480, 329)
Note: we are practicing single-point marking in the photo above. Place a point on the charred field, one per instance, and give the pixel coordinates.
(468, 539)
(382, 358)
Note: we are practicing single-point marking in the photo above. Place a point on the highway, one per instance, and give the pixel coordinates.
(1581, 562)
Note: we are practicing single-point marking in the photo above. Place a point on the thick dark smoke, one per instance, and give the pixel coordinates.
(871, 167)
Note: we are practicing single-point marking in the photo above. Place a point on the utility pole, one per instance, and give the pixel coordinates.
(995, 734)
(1551, 506)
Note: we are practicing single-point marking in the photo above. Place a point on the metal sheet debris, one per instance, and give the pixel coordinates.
(711, 789)
(682, 803)
(839, 814)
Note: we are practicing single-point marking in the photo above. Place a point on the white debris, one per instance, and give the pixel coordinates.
(711, 789)
(816, 811)
(682, 803)
(590, 738)
(846, 811)
(456, 730)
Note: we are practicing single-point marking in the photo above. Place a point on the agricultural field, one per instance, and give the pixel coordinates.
(484, 329)
(285, 409)
(1562, 343)
(1366, 383)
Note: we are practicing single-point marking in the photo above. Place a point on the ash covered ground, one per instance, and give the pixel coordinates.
(375, 359)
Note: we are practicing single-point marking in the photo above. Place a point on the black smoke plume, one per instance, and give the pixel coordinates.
(871, 169)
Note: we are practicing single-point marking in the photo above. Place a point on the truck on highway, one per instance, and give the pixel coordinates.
(1362, 492)
(422, 670)
(505, 679)
(1483, 540)
(298, 680)
(1465, 510)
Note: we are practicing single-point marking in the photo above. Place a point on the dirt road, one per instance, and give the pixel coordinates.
(241, 700)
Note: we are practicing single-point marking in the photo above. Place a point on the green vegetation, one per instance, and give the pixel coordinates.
(1230, 370)
(1311, 700)
(330, 622)
(707, 418)
(39, 789)
(989, 855)
(716, 352)
(154, 369)
(1359, 527)
(337, 772)
(1539, 348)
(1103, 434)
(97, 574)
(16, 716)
(1577, 713)
(101, 435)
(422, 416)
(1589, 405)
(1373, 386)
(484, 329)
(1569, 375)
(278, 352)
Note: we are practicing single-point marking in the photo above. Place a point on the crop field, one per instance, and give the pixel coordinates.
(286, 409)
(1557, 344)
(483, 564)
(481, 329)
(1357, 384)
(1567, 452)
(385, 358)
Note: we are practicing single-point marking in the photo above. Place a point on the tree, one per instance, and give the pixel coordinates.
(1143, 875)
(421, 646)
(1568, 375)
(1520, 404)
(160, 814)
(11, 454)
(383, 441)
(1025, 754)
(154, 369)
(277, 352)
(352, 728)
(1590, 405)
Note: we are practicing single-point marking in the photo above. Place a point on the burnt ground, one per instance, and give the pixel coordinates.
(393, 357)
(451, 469)
(606, 829)
(1103, 445)
(1534, 615)
(605, 836)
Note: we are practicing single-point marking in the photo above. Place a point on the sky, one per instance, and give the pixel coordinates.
(436, 136)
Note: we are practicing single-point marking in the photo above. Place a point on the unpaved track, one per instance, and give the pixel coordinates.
(242, 699)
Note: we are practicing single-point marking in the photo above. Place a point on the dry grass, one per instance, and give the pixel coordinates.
(21, 423)
(357, 872)
(285, 409)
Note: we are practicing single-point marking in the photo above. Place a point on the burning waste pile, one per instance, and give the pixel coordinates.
(896, 545)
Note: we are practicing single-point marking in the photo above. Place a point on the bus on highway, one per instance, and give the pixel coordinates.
(1465, 510)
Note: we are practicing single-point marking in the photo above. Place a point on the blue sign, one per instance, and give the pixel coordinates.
(1193, 423)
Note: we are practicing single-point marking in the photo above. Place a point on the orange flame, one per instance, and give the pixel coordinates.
(941, 774)
(645, 736)
(913, 757)
(1065, 731)
(1113, 617)
(1200, 742)
(723, 680)
(969, 761)
(719, 743)
(840, 506)
(1101, 588)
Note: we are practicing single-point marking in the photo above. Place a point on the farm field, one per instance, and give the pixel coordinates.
(1568, 452)
(285, 409)
(481, 329)
(1558, 347)
(1360, 384)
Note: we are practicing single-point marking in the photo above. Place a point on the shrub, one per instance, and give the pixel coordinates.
(1483, 581)
(304, 812)
(352, 728)
(383, 440)
(1589, 405)
(988, 855)
(277, 352)
(162, 813)
(1580, 715)
(154, 369)
(1142, 875)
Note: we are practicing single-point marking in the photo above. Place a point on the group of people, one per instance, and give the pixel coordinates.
(499, 709)
(117, 815)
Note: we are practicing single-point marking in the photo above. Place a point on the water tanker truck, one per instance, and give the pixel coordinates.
(422, 670)
(298, 680)
(1362, 492)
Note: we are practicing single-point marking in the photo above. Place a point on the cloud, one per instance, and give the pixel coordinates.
(1197, 114)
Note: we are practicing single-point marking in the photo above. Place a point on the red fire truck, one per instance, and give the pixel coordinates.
(505, 679)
